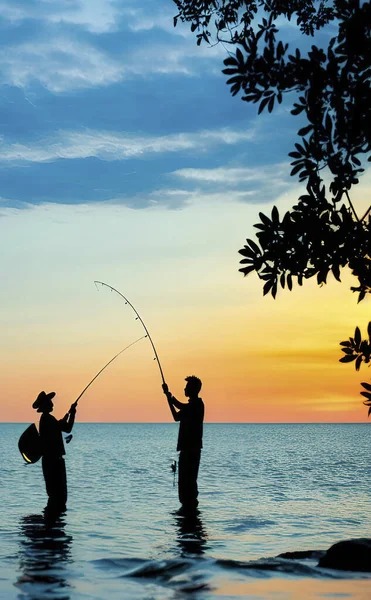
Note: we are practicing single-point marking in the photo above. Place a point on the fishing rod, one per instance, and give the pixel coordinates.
(29, 442)
(138, 317)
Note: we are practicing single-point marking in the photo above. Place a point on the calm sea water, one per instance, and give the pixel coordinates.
(264, 489)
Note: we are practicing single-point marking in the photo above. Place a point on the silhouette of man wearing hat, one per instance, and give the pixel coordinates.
(52, 448)
(191, 416)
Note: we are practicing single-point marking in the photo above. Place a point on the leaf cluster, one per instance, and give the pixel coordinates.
(357, 350)
(333, 90)
(332, 85)
(233, 19)
(315, 238)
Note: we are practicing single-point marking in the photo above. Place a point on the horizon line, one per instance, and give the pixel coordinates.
(205, 422)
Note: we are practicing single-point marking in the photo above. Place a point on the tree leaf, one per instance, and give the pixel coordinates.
(336, 272)
(346, 359)
(296, 169)
(247, 270)
(230, 61)
(262, 105)
(254, 246)
(268, 286)
(246, 251)
(305, 130)
(275, 215)
(264, 219)
(358, 362)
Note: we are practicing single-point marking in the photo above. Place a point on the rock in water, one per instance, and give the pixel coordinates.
(301, 554)
(349, 555)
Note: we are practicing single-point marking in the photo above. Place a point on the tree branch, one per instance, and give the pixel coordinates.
(351, 206)
(366, 213)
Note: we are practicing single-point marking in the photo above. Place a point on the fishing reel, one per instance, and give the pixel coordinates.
(173, 468)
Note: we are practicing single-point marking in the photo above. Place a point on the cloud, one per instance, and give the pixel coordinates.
(96, 16)
(116, 146)
(236, 175)
(262, 183)
(151, 16)
(59, 65)
(63, 63)
(180, 58)
(180, 198)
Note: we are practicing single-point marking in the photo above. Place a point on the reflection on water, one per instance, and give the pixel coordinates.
(264, 490)
(298, 589)
(192, 537)
(45, 550)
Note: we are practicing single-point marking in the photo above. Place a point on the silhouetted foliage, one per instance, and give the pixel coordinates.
(358, 350)
(331, 89)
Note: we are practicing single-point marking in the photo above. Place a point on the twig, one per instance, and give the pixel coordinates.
(366, 213)
(351, 206)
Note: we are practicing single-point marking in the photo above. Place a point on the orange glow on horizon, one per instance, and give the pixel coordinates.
(260, 360)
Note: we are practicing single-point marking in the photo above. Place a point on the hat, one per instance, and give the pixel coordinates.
(41, 399)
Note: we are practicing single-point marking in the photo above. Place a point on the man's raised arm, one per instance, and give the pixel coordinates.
(173, 402)
(68, 419)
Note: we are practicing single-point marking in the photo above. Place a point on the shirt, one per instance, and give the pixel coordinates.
(191, 425)
(51, 436)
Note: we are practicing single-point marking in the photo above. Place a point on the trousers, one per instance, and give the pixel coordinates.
(54, 471)
(189, 462)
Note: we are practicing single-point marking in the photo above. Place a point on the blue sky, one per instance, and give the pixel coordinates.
(124, 158)
(107, 101)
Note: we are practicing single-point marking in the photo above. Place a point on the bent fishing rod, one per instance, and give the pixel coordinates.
(138, 317)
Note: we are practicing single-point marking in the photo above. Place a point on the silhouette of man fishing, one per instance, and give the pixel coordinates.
(191, 416)
(52, 451)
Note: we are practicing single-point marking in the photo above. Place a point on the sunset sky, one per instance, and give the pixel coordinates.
(124, 158)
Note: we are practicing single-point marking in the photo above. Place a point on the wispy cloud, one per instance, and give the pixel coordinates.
(261, 183)
(60, 64)
(178, 198)
(117, 146)
(97, 16)
(153, 17)
(63, 63)
(181, 57)
(236, 175)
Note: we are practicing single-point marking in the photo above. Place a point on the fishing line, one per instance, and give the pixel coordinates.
(69, 437)
(137, 317)
(109, 362)
(29, 442)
